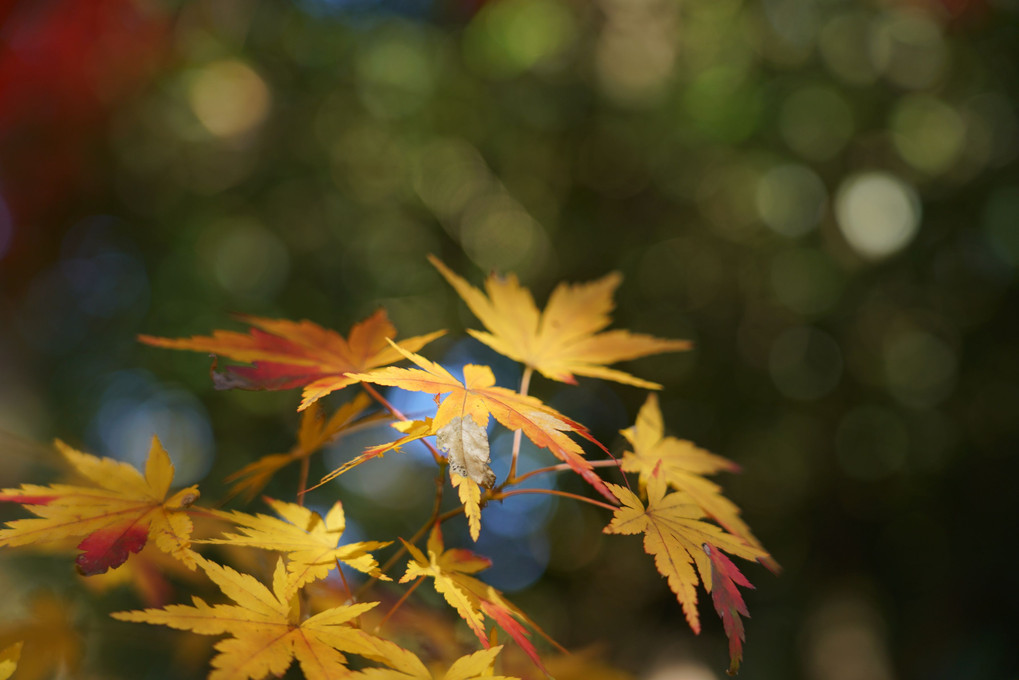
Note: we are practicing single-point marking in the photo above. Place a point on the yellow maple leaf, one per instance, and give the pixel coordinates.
(268, 631)
(311, 543)
(472, 599)
(117, 516)
(476, 666)
(478, 397)
(564, 340)
(9, 660)
(674, 535)
(682, 464)
(52, 646)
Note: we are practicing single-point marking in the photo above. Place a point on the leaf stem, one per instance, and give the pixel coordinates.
(554, 492)
(432, 520)
(525, 385)
(346, 586)
(560, 467)
(302, 480)
(398, 604)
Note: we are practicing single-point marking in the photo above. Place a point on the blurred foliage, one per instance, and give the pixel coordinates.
(822, 195)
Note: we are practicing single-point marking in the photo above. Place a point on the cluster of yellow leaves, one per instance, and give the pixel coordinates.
(268, 631)
(268, 627)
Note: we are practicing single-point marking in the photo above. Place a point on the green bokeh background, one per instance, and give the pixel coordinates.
(822, 195)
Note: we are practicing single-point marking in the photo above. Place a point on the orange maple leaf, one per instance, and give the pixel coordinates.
(268, 630)
(116, 517)
(674, 534)
(288, 354)
(478, 397)
(682, 465)
(563, 340)
(472, 599)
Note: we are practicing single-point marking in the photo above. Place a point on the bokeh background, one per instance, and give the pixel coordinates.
(822, 194)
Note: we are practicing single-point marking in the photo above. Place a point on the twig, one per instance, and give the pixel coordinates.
(525, 384)
(554, 492)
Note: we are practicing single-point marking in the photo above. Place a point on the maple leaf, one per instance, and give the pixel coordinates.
(674, 534)
(311, 543)
(466, 445)
(478, 397)
(728, 601)
(116, 517)
(472, 599)
(682, 465)
(9, 660)
(476, 666)
(287, 354)
(563, 340)
(52, 647)
(267, 630)
(315, 432)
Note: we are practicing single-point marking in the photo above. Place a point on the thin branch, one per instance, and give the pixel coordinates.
(563, 466)
(302, 481)
(525, 384)
(398, 603)
(554, 492)
(432, 520)
(351, 598)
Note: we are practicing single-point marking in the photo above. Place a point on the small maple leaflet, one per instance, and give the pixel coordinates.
(564, 340)
(116, 517)
(728, 601)
(287, 354)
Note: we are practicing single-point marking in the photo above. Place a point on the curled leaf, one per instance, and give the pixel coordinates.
(466, 445)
